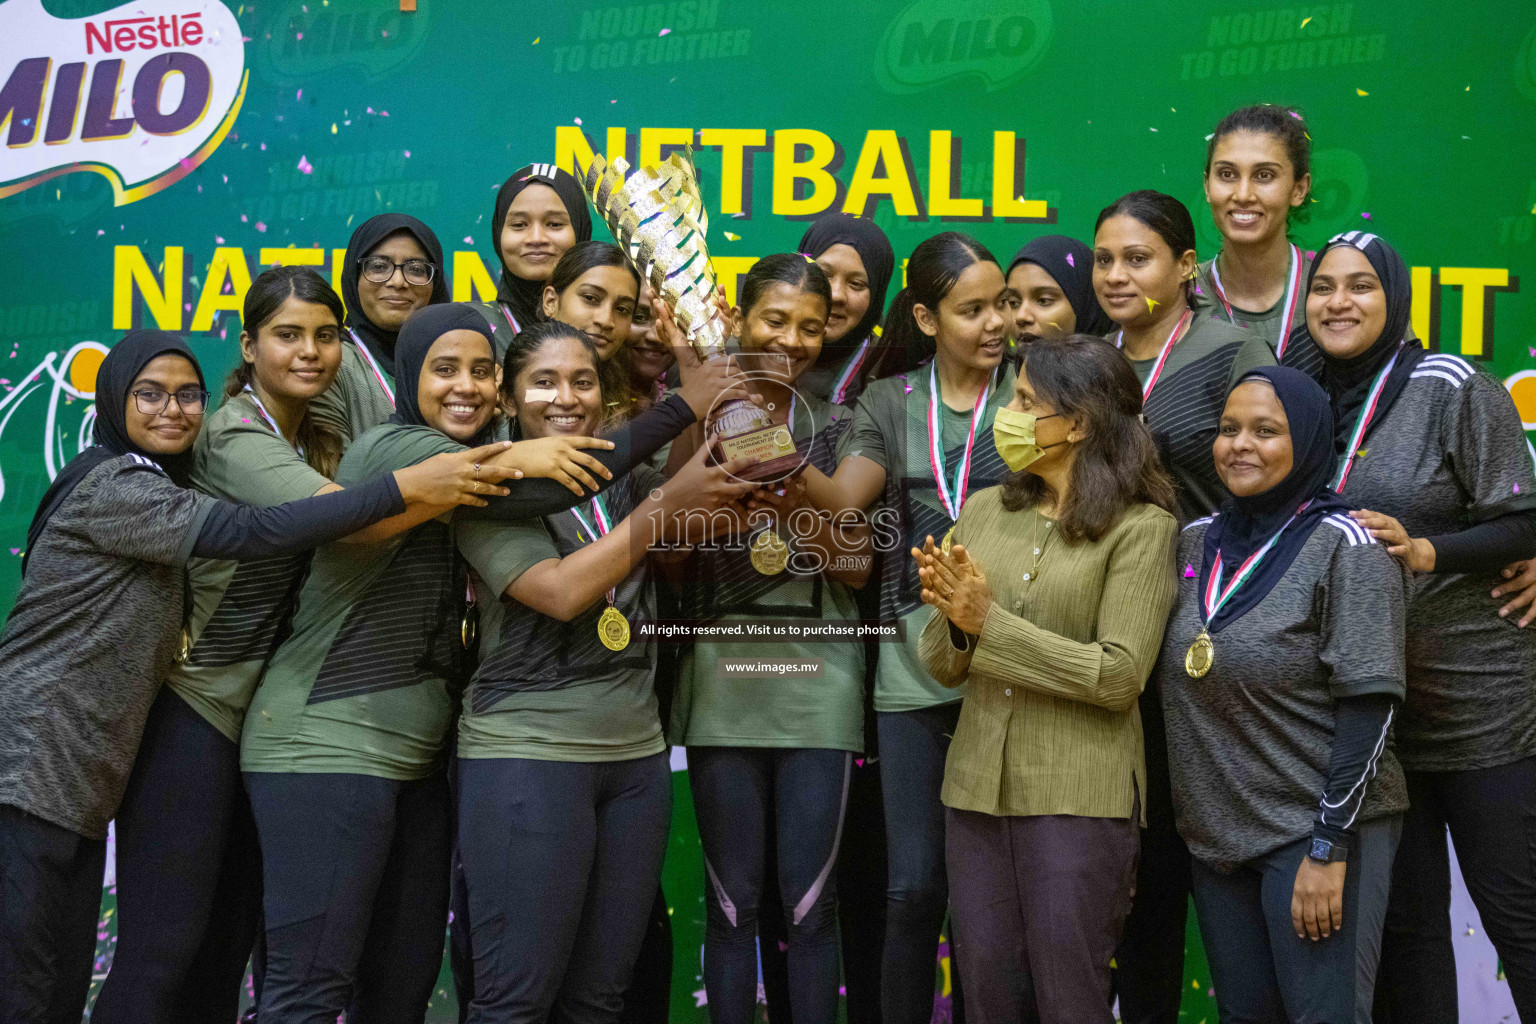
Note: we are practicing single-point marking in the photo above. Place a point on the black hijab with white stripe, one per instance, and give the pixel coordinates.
(1348, 381)
(522, 295)
(1245, 524)
(114, 379)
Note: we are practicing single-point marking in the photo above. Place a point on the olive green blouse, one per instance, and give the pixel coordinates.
(1049, 724)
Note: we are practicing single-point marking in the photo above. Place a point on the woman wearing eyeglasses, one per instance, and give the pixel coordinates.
(394, 266)
(101, 619)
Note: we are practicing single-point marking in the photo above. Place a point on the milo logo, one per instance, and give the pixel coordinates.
(935, 41)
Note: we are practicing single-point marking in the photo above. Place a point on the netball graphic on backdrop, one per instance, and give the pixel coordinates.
(67, 378)
(141, 94)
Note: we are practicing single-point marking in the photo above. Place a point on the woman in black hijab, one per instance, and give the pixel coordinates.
(99, 621)
(1280, 676)
(1432, 454)
(394, 266)
(858, 261)
(541, 211)
(1052, 283)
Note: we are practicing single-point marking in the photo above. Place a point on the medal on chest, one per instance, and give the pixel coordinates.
(612, 626)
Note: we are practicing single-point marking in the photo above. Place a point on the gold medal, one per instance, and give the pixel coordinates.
(948, 541)
(1200, 656)
(469, 626)
(184, 646)
(613, 629)
(770, 554)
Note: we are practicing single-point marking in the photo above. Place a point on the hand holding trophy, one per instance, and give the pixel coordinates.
(657, 216)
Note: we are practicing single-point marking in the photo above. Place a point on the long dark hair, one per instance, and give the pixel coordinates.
(322, 445)
(618, 393)
(1283, 123)
(1117, 463)
(934, 267)
(789, 268)
(1165, 215)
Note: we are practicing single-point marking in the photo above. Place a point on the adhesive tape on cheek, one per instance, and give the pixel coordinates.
(539, 395)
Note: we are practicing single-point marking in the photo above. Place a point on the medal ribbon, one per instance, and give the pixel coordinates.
(849, 371)
(1162, 357)
(603, 526)
(1367, 413)
(267, 418)
(373, 365)
(1287, 311)
(1216, 595)
(507, 313)
(953, 500)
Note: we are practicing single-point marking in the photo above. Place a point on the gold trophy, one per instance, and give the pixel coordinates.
(657, 216)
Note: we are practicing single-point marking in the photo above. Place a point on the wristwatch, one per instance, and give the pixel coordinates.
(1325, 852)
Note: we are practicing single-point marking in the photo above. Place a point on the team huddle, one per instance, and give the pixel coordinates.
(1203, 579)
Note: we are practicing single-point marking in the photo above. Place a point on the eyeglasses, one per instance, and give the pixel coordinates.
(380, 269)
(154, 401)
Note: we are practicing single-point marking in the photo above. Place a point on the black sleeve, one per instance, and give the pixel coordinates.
(1360, 728)
(1489, 546)
(252, 531)
(636, 442)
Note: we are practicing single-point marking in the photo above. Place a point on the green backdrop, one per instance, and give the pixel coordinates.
(1006, 118)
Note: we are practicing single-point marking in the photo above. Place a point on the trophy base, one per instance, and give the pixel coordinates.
(772, 446)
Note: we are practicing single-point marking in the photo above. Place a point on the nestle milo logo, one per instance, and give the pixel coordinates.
(308, 38)
(933, 41)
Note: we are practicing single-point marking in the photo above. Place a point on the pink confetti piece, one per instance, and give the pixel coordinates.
(186, 163)
(299, 95)
(261, 227)
(859, 761)
(407, 154)
(244, 219)
(1070, 261)
(664, 32)
(468, 240)
(263, 147)
(1528, 348)
(1365, 216)
(305, 167)
(219, 239)
(1189, 571)
(577, 120)
(301, 37)
(15, 551)
(102, 231)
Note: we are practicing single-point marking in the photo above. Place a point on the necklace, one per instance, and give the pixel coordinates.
(1039, 545)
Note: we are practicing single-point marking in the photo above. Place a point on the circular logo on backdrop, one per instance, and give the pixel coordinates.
(934, 41)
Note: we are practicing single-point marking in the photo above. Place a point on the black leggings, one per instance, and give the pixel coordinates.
(188, 876)
(50, 892)
(734, 789)
(355, 884)
(1491, 813)
(561, 860)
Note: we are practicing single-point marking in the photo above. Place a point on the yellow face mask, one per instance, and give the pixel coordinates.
(1014, 434)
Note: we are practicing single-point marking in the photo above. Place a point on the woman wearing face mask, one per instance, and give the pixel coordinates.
(1051, 285)
(1187, 361)
(565, 791)
(770, 761)
(1258, 178)
(1281, 675)
(1051, 608)
(918, 446)
(393, 267)
(1435, 464)
(858, 261)
(100, 621)
(541, 211)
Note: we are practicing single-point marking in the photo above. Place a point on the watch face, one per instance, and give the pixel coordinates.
(1322, 849)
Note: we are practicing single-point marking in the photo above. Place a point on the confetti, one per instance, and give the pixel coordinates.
(1365, 216)
(577, 120)
(261, 227)
(468, 240)
(1070, 261)
(333, 131)
(301, 37)
(407, 154)
(1361, 92)
(1151, 129)
(305, 167)
(1189, 571)
(102, 231)
(664, 32)
(244, 219)
(299, 95)
(1151, 305)
(218, 239)
(732, 238)
(1305, 20)
(536, 40)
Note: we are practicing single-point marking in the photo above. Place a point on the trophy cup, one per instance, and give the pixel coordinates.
(657, 217)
